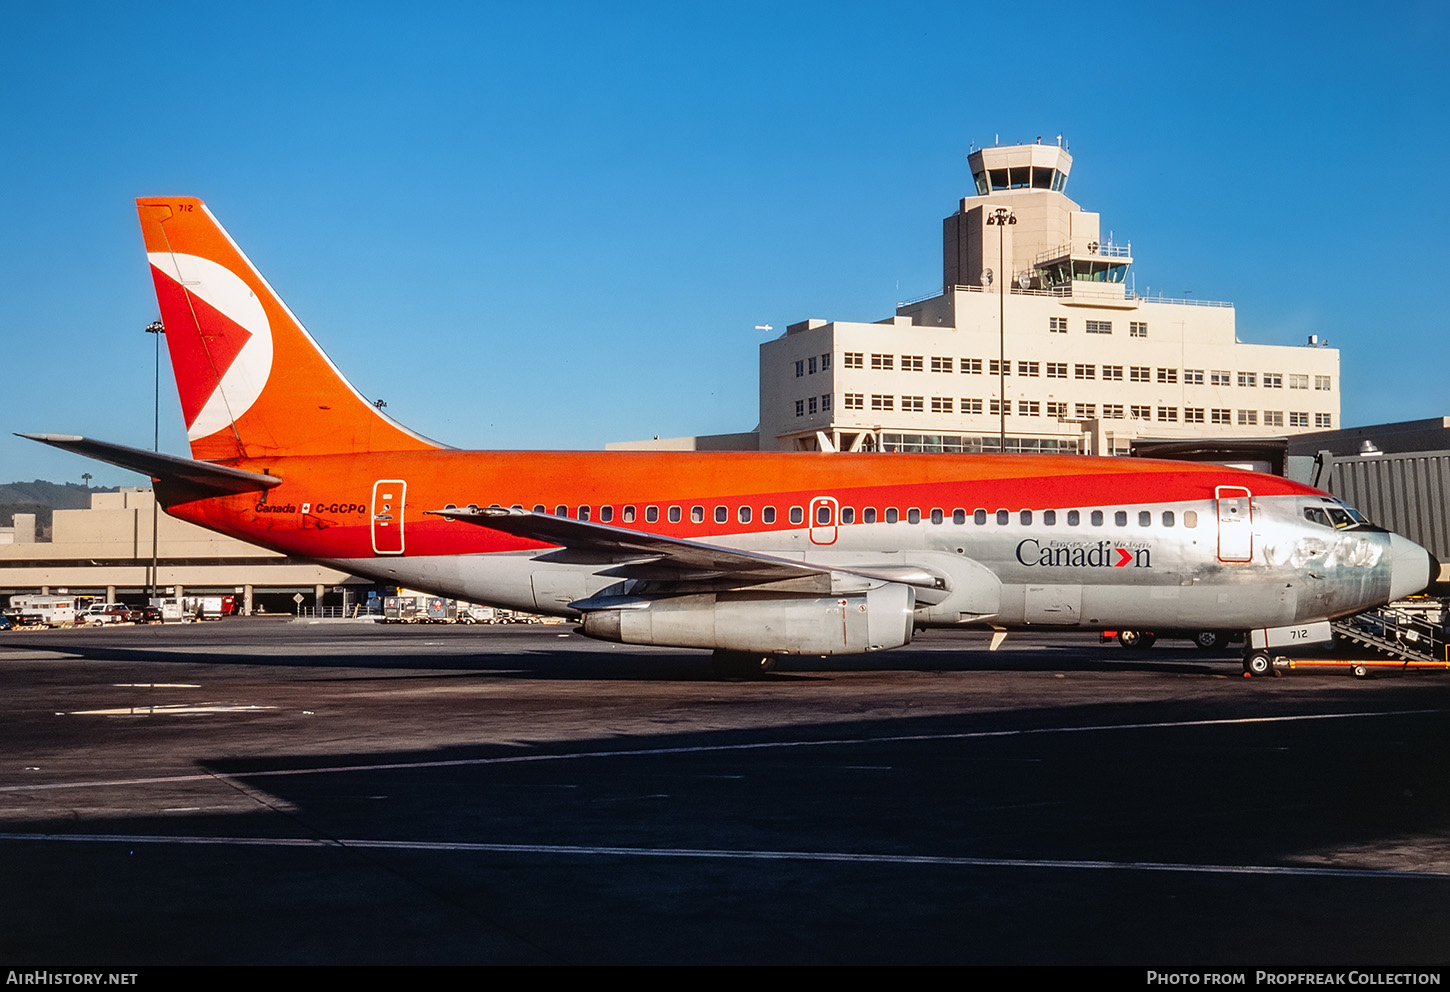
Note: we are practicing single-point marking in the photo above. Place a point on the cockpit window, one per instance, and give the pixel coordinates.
(1338, 516)
(1317, 516)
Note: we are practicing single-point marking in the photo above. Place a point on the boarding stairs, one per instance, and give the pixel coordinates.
(1407, 634)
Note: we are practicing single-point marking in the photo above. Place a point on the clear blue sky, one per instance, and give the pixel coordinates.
(553, 225)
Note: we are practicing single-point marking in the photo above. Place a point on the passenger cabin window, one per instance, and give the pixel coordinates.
(697, 514)
(979, 517)
(539, 508)
(627, 514)
(937, 516)
(722, 514)
(1002, 517)
(913, 516)
(1025, 517)
(868, 515)
(1121, 518)
(1167, 518)
(848, 514)
(959, 516)
(674, 514)
(1049, 518)
(1073, 518)
(583, 513)
(606, 514)
(797, 515)
(823, 514)
(767, 515)
(651, 514)
(1097, 518)
(744, 515)
(1190, 518)
(1145, 518)
(891, 515)
(561, 511)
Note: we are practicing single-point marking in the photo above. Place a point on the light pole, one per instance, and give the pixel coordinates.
(1001, 217)
(156, 329)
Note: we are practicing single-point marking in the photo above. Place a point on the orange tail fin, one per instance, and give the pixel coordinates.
(252, 381)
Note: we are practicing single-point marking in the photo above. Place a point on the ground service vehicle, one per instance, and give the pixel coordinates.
(749, 554)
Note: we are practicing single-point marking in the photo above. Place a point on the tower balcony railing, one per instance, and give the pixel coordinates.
(1105, 249)
(1061, 292)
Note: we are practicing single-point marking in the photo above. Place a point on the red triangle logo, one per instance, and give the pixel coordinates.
(200, 360)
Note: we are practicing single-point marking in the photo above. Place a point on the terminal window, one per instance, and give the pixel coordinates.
(1248, 379)
(1058, 410)
(971, 405)
(1138, 329)
(1193, 415)
(1113, 373)
(1323, 420)
(1168, 414)
(972, 366)
(810, 366)
(854, 360)
(1100, 327)
(1249, 418)
(883, 362)
(1112, 411)
(1298, 419)
(1029, 408)
(1273, 380)
(1087, 411)
(1167, 375)
(1027, 368)
(1220, 377)
(1140, 412)
(1193, 377)
(855, 401)
(940, 364)
(1273, 418)
(1298, 381)
(1057, 370)
(800, 368)
(880, 402)
(811, 405)
(941, 404)
(1139, 373)
(913, 404)
(1057, 325)
(1219, 416)
(1084, 371)
(912, 363)
(1321, 382)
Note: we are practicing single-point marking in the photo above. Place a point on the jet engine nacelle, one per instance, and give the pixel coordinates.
(872, 620)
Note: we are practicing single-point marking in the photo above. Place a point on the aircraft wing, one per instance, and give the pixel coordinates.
(187, 477)
(654, 556)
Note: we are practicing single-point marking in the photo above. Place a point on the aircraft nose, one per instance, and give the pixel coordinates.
(1411, 567)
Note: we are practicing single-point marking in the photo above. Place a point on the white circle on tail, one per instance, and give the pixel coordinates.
(242, 372)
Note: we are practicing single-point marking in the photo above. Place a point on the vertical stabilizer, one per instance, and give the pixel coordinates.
(252, 381)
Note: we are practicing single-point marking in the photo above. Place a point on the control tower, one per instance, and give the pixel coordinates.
(1044, 240)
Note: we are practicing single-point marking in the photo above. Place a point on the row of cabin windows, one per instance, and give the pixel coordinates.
(890, 515)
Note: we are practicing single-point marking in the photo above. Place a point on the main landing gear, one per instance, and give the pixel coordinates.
(742, 664)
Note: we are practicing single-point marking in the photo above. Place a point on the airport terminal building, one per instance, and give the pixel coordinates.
(1038, 339)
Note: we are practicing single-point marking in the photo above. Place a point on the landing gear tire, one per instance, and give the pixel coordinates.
(1209, 640)
(1258, 663)
(742, 664)
(1136, 639)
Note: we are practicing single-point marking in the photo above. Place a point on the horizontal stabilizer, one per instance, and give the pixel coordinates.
(202, 478)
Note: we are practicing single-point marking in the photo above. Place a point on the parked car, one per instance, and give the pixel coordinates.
(111, 613)
(5, 623)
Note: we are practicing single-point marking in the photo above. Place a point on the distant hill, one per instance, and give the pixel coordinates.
(40, 498)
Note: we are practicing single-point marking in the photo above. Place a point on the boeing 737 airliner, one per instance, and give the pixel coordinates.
(752, 555)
